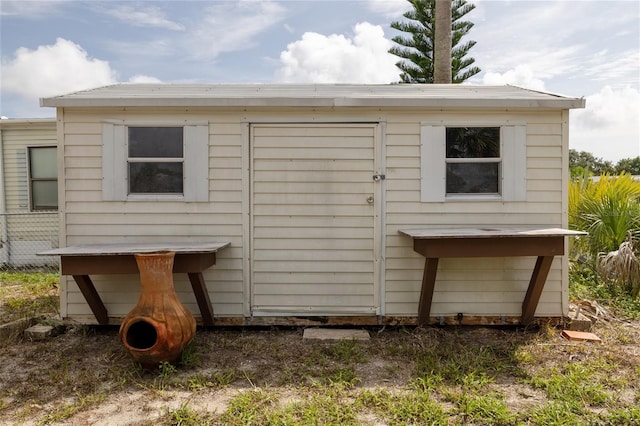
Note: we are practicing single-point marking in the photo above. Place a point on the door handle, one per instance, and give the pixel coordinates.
(370, 199)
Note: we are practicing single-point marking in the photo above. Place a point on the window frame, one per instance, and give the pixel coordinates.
(154, 160)
(31, 179)
(433, 160)
(115, 161)
(475, 160)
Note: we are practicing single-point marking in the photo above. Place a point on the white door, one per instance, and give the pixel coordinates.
(313, 230)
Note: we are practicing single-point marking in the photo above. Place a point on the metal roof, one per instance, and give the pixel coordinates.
(26, 122)
(312, 95)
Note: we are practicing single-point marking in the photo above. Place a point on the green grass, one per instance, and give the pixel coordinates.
(24, 295)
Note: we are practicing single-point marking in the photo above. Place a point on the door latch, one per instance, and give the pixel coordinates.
(378, 178)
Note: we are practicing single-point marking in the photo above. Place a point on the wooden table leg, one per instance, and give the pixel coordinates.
(426, 293)
(538, 279)
(93, 298)
(202, 297)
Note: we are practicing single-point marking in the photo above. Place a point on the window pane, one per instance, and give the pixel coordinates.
(44, 195)
(473, 142)
(472, 178)
(43, 163)
(155, 178)
(150, 142)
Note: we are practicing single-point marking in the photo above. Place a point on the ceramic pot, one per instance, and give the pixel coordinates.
(159, 327)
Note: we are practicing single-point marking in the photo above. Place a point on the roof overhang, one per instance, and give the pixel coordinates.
(454, 96)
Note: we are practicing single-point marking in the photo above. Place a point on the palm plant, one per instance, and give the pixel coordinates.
(622, 267)
(609, 210)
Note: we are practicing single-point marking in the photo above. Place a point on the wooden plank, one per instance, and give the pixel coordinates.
(131, 248)
(536, 285)
(126, 263)
(489, 247)
(426, 293)
(487, 232)
(93, 298)
(202, 297)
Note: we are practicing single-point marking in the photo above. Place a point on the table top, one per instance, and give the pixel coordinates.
(132, 248)
(488, 232)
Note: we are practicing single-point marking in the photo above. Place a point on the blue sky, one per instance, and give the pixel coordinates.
(577, 48)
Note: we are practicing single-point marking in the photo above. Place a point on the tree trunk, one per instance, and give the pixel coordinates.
(442, 43)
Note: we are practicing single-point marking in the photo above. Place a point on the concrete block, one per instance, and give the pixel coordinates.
(39, 332)
(334, 334)
(579, 322)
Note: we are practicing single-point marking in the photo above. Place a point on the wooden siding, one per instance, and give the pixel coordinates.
(243, 174)
(473, 286)
(89, 219)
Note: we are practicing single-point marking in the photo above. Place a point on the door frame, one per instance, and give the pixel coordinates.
(379, 190)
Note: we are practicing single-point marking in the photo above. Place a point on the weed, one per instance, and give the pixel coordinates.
(186, 416)
(623, 416)
(484, 408)
(216, 379)
(344, 376)
(249, 407)
(574, 383)
(165, 377)
(348, 351)
(427, 384)
(190, 355)
(65, 411)
(557, 413)
(166, 370)
(404, 408)
(319, 408)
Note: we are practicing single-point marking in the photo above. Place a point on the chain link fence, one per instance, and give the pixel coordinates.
(23, 235)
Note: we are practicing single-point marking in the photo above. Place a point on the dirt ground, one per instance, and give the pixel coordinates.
(84, 376)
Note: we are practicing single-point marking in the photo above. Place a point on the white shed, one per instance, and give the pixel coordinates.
(318, 189)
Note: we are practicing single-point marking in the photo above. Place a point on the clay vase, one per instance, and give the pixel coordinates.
(159, 327)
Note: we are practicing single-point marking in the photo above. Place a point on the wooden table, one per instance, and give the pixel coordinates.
(434, 244)
(81, 261)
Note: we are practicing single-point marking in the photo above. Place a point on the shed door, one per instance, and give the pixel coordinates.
(312, 217)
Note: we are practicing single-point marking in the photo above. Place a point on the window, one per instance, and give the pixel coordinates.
(43, 178)
(155, 162)
(479, 162)
(149, 162)
(473, 160)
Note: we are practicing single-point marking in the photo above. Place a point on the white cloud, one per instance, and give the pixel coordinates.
(30, 9)
(54, 69)
(317, 58)
(144, 17)
(139, 78)
(620, 67)
(522, 76)
(609, 126)
(233, 26)
(389, 8)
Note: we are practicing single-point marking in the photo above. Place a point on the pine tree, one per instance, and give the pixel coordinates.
(417, 51)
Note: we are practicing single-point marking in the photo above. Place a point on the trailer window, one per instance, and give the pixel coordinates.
(43, 178)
